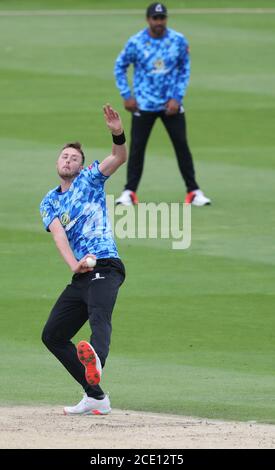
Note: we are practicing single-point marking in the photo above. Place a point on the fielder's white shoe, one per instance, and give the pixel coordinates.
(90, 406)
(127, 198)
(197, 198)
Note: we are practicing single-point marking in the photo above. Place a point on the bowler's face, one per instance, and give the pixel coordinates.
(157, 25)
(69, 163)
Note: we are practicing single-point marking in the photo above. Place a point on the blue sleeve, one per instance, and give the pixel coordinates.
(94, 175)
(47, 212)
(125, 58)
(183, 71)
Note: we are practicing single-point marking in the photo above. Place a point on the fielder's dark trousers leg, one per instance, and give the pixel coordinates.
(140, 131)
(176, 128)
(92, 297)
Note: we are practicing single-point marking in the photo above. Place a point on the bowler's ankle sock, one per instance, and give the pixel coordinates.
(95, 392)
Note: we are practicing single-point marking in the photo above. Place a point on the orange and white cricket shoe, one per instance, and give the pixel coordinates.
(189, 197)
(90, 406)
(197, 198)
(90, 360)
(127, 198)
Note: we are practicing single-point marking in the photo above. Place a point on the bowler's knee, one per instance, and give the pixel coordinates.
(47, 337)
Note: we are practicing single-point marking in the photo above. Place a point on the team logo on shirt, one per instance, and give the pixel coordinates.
(65, 219)
(159, 66)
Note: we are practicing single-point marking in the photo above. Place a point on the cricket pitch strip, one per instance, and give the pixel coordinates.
(45, 427)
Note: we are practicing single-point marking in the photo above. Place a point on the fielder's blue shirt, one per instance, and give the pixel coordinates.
(161, 69)
(83, 213)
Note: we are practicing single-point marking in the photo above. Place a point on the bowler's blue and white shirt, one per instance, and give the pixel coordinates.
(83, 213)
(161, 69)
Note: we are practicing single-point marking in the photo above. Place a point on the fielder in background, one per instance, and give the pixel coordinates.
(160, 57)
(76, 215)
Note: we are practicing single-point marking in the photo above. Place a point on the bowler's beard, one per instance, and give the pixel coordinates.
(67, 174)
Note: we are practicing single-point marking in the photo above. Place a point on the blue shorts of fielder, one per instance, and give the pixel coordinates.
(83, 213)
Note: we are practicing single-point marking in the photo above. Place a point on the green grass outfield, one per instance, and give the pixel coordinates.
(193, 330)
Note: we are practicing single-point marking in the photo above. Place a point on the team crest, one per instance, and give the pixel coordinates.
(158, 8)
(159, 64)
(65, 219)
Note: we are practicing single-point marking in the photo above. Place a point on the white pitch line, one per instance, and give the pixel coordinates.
(177, 11)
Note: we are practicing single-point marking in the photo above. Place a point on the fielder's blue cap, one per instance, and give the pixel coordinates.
(156, 9)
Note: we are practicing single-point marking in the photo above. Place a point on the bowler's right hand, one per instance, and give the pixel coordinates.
(81, 266)
(130, 105)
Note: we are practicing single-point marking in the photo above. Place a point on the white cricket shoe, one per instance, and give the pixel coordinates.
(127, 198)
(197, 198)
(90, 406)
